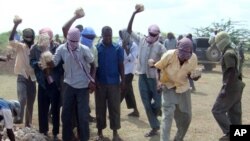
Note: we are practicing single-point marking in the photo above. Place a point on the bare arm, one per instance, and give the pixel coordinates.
(13, 31)
(129, 28)
(68, 24)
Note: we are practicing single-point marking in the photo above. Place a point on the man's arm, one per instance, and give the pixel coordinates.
(13, 31)
(68, 24)
(129, 28)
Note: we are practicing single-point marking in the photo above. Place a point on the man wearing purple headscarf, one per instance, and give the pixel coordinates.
(149, 50)
(79, 73)
(176, 68)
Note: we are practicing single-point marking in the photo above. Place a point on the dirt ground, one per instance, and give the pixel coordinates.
(202, 128)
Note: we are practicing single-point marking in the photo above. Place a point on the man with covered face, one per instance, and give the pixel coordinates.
(149, 50)
(176, 68)
(48, 82)
(227, 107)
(79, 72)
(26, 88)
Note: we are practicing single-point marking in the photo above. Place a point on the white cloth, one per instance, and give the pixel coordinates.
(7, 118)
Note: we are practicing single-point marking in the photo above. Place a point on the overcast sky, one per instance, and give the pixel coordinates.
(177, 16)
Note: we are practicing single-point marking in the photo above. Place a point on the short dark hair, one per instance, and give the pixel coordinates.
(106, 29)
(80, 27)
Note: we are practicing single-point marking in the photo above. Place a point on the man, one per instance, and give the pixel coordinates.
(57, 39)
(149, 49)
(227, 107)
(176, 67)
(48, 83)
(87, 38)
(26, 87)
(108, 75)
(9, 109)
(78, 80)
(130, 56)
(170, 42)
(190, 36)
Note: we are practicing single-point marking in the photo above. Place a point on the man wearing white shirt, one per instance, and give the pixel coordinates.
(130, 55)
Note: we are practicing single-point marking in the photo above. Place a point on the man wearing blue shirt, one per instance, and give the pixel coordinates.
(109, 72)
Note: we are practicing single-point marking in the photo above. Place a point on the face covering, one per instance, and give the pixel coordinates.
(185, 49)
(73, 38)
(153, 34)
(28, 36)
(44, 41)
(87, 42)
(222, 40)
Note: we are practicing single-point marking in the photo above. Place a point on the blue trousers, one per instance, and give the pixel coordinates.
(151, 99)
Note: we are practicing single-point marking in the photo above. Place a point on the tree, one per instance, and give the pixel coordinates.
(235, 29)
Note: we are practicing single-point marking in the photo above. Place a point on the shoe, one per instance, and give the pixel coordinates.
(55, 138)
(116, 138)
(134, 114)
(151, 133)
(92, 119)
(99, 138)
(225, 138)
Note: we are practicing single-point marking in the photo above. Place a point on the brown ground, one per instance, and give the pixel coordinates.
(202, 128)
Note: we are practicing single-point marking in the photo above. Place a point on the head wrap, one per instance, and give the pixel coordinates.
(48, 31)
(73, 38)
(28, 35)
(88, 32)
(185, 49)
(15, 109)
(222, 39)
(43, 41)
(153, 29)
(124, 35)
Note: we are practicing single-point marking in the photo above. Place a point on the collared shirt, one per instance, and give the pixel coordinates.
(147, 51)
(130, 59)
(74, 75)
(22, 66)
(109, 59)
(172, 73)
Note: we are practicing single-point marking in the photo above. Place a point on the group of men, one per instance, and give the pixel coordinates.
(107, 69)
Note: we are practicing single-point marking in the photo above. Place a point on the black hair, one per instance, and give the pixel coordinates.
(106, 29)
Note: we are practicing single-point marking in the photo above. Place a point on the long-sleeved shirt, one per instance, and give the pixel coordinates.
(22, 65)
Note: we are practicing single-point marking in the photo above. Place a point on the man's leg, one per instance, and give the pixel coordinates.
(82, 98)
(22, 95)
(31, 96)
(68, 106)
(183, 115)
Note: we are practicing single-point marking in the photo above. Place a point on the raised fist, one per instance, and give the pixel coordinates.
(79, 12)
(17, 20)
(139, 7)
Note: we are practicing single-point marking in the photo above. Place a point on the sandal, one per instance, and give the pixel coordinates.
(151, 133)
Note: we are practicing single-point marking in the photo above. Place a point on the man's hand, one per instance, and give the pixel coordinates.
(17, 20)
(79, 13)
(92, 87)
(139, 8)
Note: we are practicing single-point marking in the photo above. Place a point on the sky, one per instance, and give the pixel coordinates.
(177, 16)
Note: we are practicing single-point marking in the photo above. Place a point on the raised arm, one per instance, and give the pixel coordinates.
(17, 20)
(138, 8)
(79, 13)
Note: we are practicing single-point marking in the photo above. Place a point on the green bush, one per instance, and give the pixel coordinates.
(4, 37)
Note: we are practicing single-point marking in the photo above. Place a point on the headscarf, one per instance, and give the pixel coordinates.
(124, 35)
(153, 33)
(48, 31)
(73, 38)
(88, 31)
(185, 49)
(222, 39)
(43, 41)
(28, 36)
